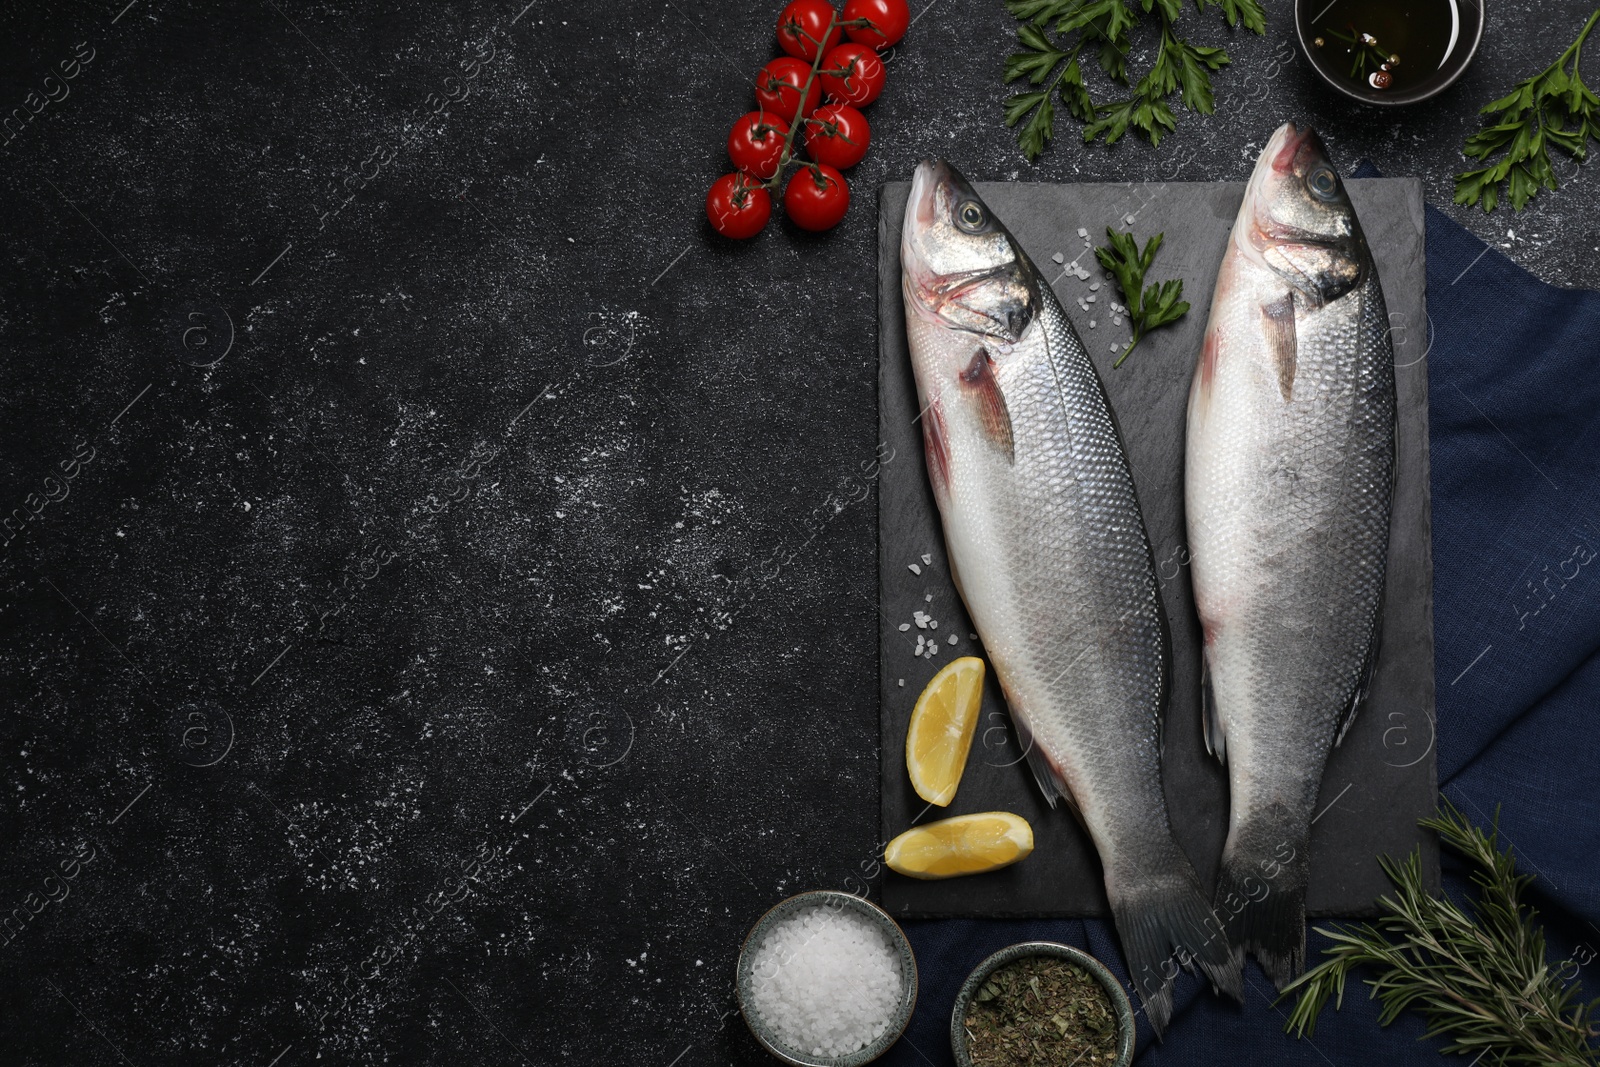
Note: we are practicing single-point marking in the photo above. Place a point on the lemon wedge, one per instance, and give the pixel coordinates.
(966, 844)
(942, 725)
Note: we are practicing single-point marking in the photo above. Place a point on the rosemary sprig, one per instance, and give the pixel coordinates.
(1481, 979)
(1147, 307)
(1553, 107)
(1107, 26)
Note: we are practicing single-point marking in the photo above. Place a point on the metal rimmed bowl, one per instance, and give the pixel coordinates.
(827, 898)
(1468, 19)
(1010, 954)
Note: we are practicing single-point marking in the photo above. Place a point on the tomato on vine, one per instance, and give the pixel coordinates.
(817, 197)
(802, 25)
(755, 144)
(853, 73)
(738, 206)
(779, 87)
(890, 19)
(838, 135)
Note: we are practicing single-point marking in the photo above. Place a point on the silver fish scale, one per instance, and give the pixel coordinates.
(1082, 650)
(1291, 545)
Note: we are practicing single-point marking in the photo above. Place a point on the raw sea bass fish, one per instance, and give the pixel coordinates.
(1049, 552)
(1290, 474)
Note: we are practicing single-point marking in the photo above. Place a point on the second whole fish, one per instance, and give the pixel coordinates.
(1049, 553)
(1289, 481)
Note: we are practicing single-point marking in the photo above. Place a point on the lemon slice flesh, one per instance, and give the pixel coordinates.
(942, 725)
(965, 844)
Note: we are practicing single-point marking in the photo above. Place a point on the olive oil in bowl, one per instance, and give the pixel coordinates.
(1389, 51)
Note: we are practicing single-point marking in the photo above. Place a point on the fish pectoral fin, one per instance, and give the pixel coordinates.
(1216, 739)
(1277, 320)
(993, 414)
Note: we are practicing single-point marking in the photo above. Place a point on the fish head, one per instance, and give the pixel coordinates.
(1298, 221)
(962, 269)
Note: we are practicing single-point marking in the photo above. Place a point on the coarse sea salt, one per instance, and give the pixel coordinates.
(825, 981)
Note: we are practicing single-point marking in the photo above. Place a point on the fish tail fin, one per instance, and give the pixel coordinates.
(1261, 898)
(1165, 924)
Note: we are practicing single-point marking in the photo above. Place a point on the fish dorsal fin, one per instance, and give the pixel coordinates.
(979, 379)
(1368, 666)
(1216, 740)
(1277, 319)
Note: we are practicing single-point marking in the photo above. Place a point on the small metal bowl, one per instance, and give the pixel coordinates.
(827, 898)
(1012, 953)
(1469, 34)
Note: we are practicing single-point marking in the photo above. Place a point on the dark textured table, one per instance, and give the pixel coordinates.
(439, 596)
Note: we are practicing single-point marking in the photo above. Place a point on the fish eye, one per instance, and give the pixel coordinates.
(970, 216)
(1323, 183)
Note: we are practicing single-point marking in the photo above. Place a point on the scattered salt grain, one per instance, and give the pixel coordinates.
(952, 639)
(1116, 320)
(1082, 232)
(928, 599)
(933, 624)
(902, 683)
(904, 627)
(1091, 324)
(1128, 219)
(927, 560)
(1091, 299)
(825, 981)
(1094, 287)
(1058, 258)
(972, 637)
(913, 568)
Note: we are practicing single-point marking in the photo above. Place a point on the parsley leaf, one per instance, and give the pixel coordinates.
(1107, 26)
(1148, 306)
(1552, 108)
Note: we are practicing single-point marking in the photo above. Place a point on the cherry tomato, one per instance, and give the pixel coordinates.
(778, 88)
(737, 206)
(890, 20)
(755, 143)
(817, 197)
(853, 73)
(838, 135)
(802, 25)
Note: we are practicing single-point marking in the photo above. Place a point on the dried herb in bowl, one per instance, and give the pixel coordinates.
(1041, 1011)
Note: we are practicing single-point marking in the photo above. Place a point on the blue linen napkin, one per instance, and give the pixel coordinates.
(1514, 408)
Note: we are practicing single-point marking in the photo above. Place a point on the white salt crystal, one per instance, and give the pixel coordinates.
(904, 627)
(1058, 258)
(927, 560)
(913, 568)
(825, 981)
(952, 639)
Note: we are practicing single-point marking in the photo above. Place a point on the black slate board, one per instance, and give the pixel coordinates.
(1377, 784)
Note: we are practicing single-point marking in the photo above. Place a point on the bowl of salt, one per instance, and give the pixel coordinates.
(826, 979)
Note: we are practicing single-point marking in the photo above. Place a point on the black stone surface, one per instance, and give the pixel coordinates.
(632, 606)
(1378, 782)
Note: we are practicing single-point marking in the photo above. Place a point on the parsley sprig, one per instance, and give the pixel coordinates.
(1481, 978)
(1147, 307)
(1553, 107)
(1107, 27)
